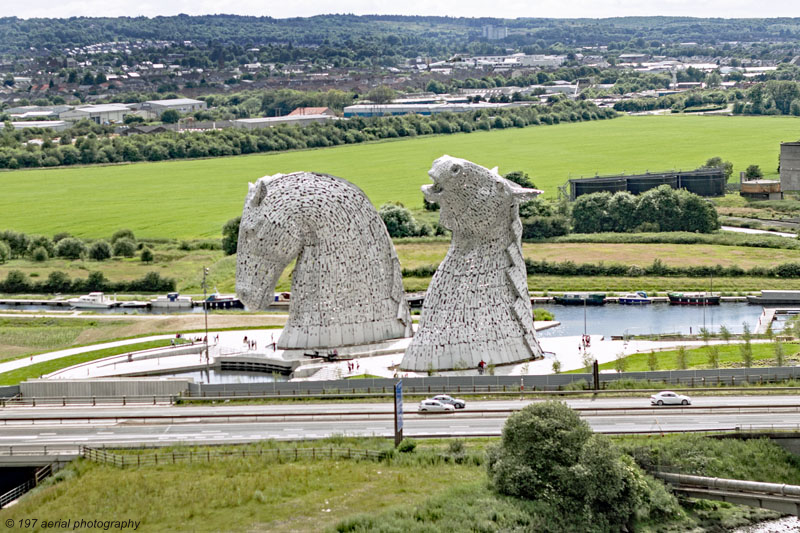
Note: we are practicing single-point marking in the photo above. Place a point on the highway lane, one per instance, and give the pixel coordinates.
(11, 413)
(71, 436)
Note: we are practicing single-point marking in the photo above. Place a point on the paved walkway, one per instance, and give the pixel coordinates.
(566, 349)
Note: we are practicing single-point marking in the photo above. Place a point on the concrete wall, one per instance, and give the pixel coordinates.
(790, 166)
(87, 388)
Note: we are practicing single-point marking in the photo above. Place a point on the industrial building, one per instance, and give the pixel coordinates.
(181, 105)
(704, 181)
(269, 122)
(380, 110)
(99, 113)
(790, 166)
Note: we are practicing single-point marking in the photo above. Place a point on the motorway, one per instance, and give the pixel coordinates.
(65, 428)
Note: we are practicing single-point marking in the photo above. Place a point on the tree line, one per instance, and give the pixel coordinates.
(60, 282)
(93, 148)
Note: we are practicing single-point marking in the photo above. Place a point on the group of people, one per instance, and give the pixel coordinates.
(351, 366)
(250, 343)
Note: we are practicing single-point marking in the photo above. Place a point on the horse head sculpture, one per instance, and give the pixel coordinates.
(477, 306)
(347, 286)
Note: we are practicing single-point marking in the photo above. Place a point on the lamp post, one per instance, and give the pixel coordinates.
(205, 311)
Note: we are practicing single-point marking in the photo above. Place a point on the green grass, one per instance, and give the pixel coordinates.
(191, 199)
(407, 492)
(729, 356)
(45, 367)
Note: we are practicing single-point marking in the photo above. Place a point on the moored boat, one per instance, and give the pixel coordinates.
(693, 298)
(172, 300)
(775, 298)
(93, 300)
(635, 298)
(220, 301)
(580, 299)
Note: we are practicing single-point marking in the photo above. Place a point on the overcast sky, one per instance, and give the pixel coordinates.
(464, 8)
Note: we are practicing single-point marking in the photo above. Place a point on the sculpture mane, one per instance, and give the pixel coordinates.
(477, 305)
(347, 285)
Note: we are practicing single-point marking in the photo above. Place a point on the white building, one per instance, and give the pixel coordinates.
(269, 122)
(99, 113)
(182, 105)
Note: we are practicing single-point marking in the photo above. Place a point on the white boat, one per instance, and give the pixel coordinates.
(172, 300)
(635, 298)
(93, 300)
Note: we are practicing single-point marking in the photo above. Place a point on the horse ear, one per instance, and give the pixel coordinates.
(256, 193)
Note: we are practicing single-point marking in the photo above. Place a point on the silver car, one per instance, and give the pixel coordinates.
(669, 398)
(458, 403)
(434, 406)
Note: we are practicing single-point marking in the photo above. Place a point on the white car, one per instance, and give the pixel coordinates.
(669, 398)
(434, 406)
(458, 403)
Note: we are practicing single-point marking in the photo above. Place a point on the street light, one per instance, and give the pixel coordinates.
(205, 310)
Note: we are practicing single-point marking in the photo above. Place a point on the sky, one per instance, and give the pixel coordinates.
(464, 8)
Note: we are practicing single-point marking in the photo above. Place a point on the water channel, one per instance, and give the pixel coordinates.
(614, 319)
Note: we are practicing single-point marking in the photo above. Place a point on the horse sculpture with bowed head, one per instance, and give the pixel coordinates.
(347, 287)
(477, 306)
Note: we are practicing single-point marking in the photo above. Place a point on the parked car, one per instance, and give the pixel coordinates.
(434, 406)
(458, 403)
(669, 398)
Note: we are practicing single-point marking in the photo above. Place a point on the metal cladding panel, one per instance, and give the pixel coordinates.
(790, 166)
(99, 388)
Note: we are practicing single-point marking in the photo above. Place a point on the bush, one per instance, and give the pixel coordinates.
(70, 248)
(5, 252)
(40, 254)
(124, 247)
(407, 446)
(549, 453)
(147, 255)
(122, 234)
(100, 251)
(230, 235)
(398, 220)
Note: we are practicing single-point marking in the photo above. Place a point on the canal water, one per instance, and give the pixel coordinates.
(615, 319)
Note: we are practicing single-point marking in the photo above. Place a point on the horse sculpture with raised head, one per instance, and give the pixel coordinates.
(347, 288)
(477, 306)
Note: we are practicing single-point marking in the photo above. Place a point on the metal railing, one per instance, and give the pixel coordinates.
(17, 492)
(208, 455)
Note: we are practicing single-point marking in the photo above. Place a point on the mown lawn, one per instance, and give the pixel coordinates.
(193, 199)
(729, 356)
(45, 367)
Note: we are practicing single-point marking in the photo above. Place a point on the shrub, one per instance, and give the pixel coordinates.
(147, 255)
(124, 247)
(40, 254)
(548, 452)
(122, 234)
(407, 446)
(100, 250)
(5, 252)
(230, 235)
(398, 220)
(70, 248)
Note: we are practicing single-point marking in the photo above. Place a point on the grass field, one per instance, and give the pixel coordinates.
(186, 266)
(729, 356)
(193, 199)
(45, 367)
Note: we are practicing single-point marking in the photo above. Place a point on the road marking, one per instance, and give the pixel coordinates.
(46, 434)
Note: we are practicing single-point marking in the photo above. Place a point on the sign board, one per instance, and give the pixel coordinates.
(398, 412)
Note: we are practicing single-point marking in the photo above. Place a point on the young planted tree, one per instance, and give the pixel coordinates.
(652, 361)
(620, 363)
(746, 349)
(713, 356)
(779, 355)
(725, 333)
(683, 358)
